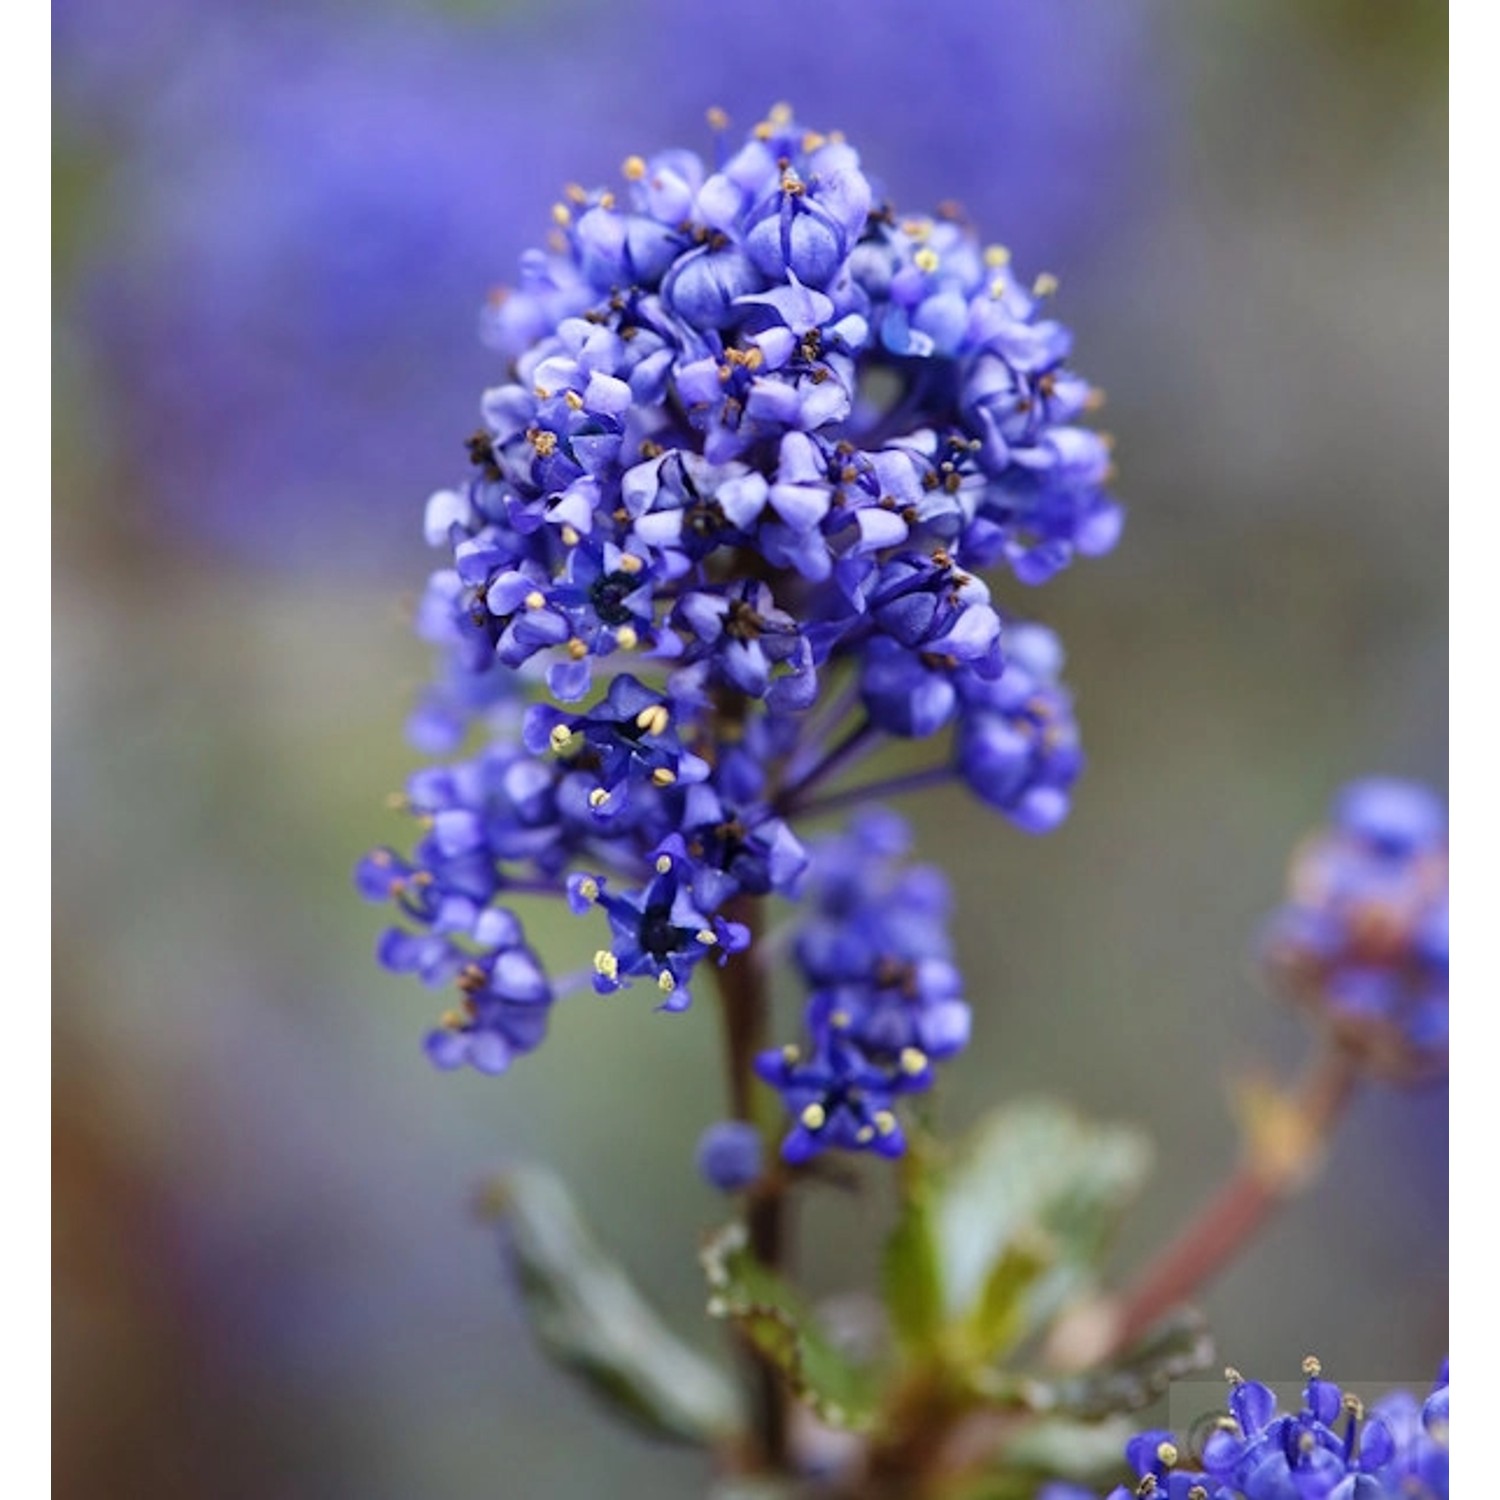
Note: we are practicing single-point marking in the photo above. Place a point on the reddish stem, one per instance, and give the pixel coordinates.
(1264, 1179)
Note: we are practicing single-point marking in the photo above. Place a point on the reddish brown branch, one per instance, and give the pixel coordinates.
(1275, 1167)
(743, 990)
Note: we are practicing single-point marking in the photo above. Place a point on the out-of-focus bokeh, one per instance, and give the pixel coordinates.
(275, 228)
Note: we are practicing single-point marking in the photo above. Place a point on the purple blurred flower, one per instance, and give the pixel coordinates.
(314, 206)
(1363, 938)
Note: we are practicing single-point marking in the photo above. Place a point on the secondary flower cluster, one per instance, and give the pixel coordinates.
(1330, 1449)
(760, 435)
(1363, 940)
(885, 1000)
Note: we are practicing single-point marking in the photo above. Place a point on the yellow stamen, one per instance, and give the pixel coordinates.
(814, 1117)
(653, 719)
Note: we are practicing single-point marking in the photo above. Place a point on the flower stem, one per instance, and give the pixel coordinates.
(849, 747)
(1274, 1169)
(887, 786)
(744, 991)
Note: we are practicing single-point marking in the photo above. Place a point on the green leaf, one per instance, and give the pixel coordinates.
(998, 1319)
(768, 1312)
(1023, 1213)
(589, 1318)
(911, 1272)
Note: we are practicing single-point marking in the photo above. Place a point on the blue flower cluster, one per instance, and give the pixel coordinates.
(885, 999)
(1331, 1449)
(1363, 939)
(762, 433)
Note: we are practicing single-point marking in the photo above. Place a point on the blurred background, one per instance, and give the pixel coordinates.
(274, 228)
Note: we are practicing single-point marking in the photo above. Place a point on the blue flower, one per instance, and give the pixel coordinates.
(659, 929)
(631, 740)
(835, 1097)
(1331, 1448)
(729, 1155)
(1017, 743)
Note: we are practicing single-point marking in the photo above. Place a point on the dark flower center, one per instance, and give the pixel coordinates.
(608, 596)
(659, 934)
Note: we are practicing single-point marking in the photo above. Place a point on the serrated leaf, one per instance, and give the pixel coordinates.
(768, 1312)
(1178, 1347)
(1035, 1188)
(589, 1317)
